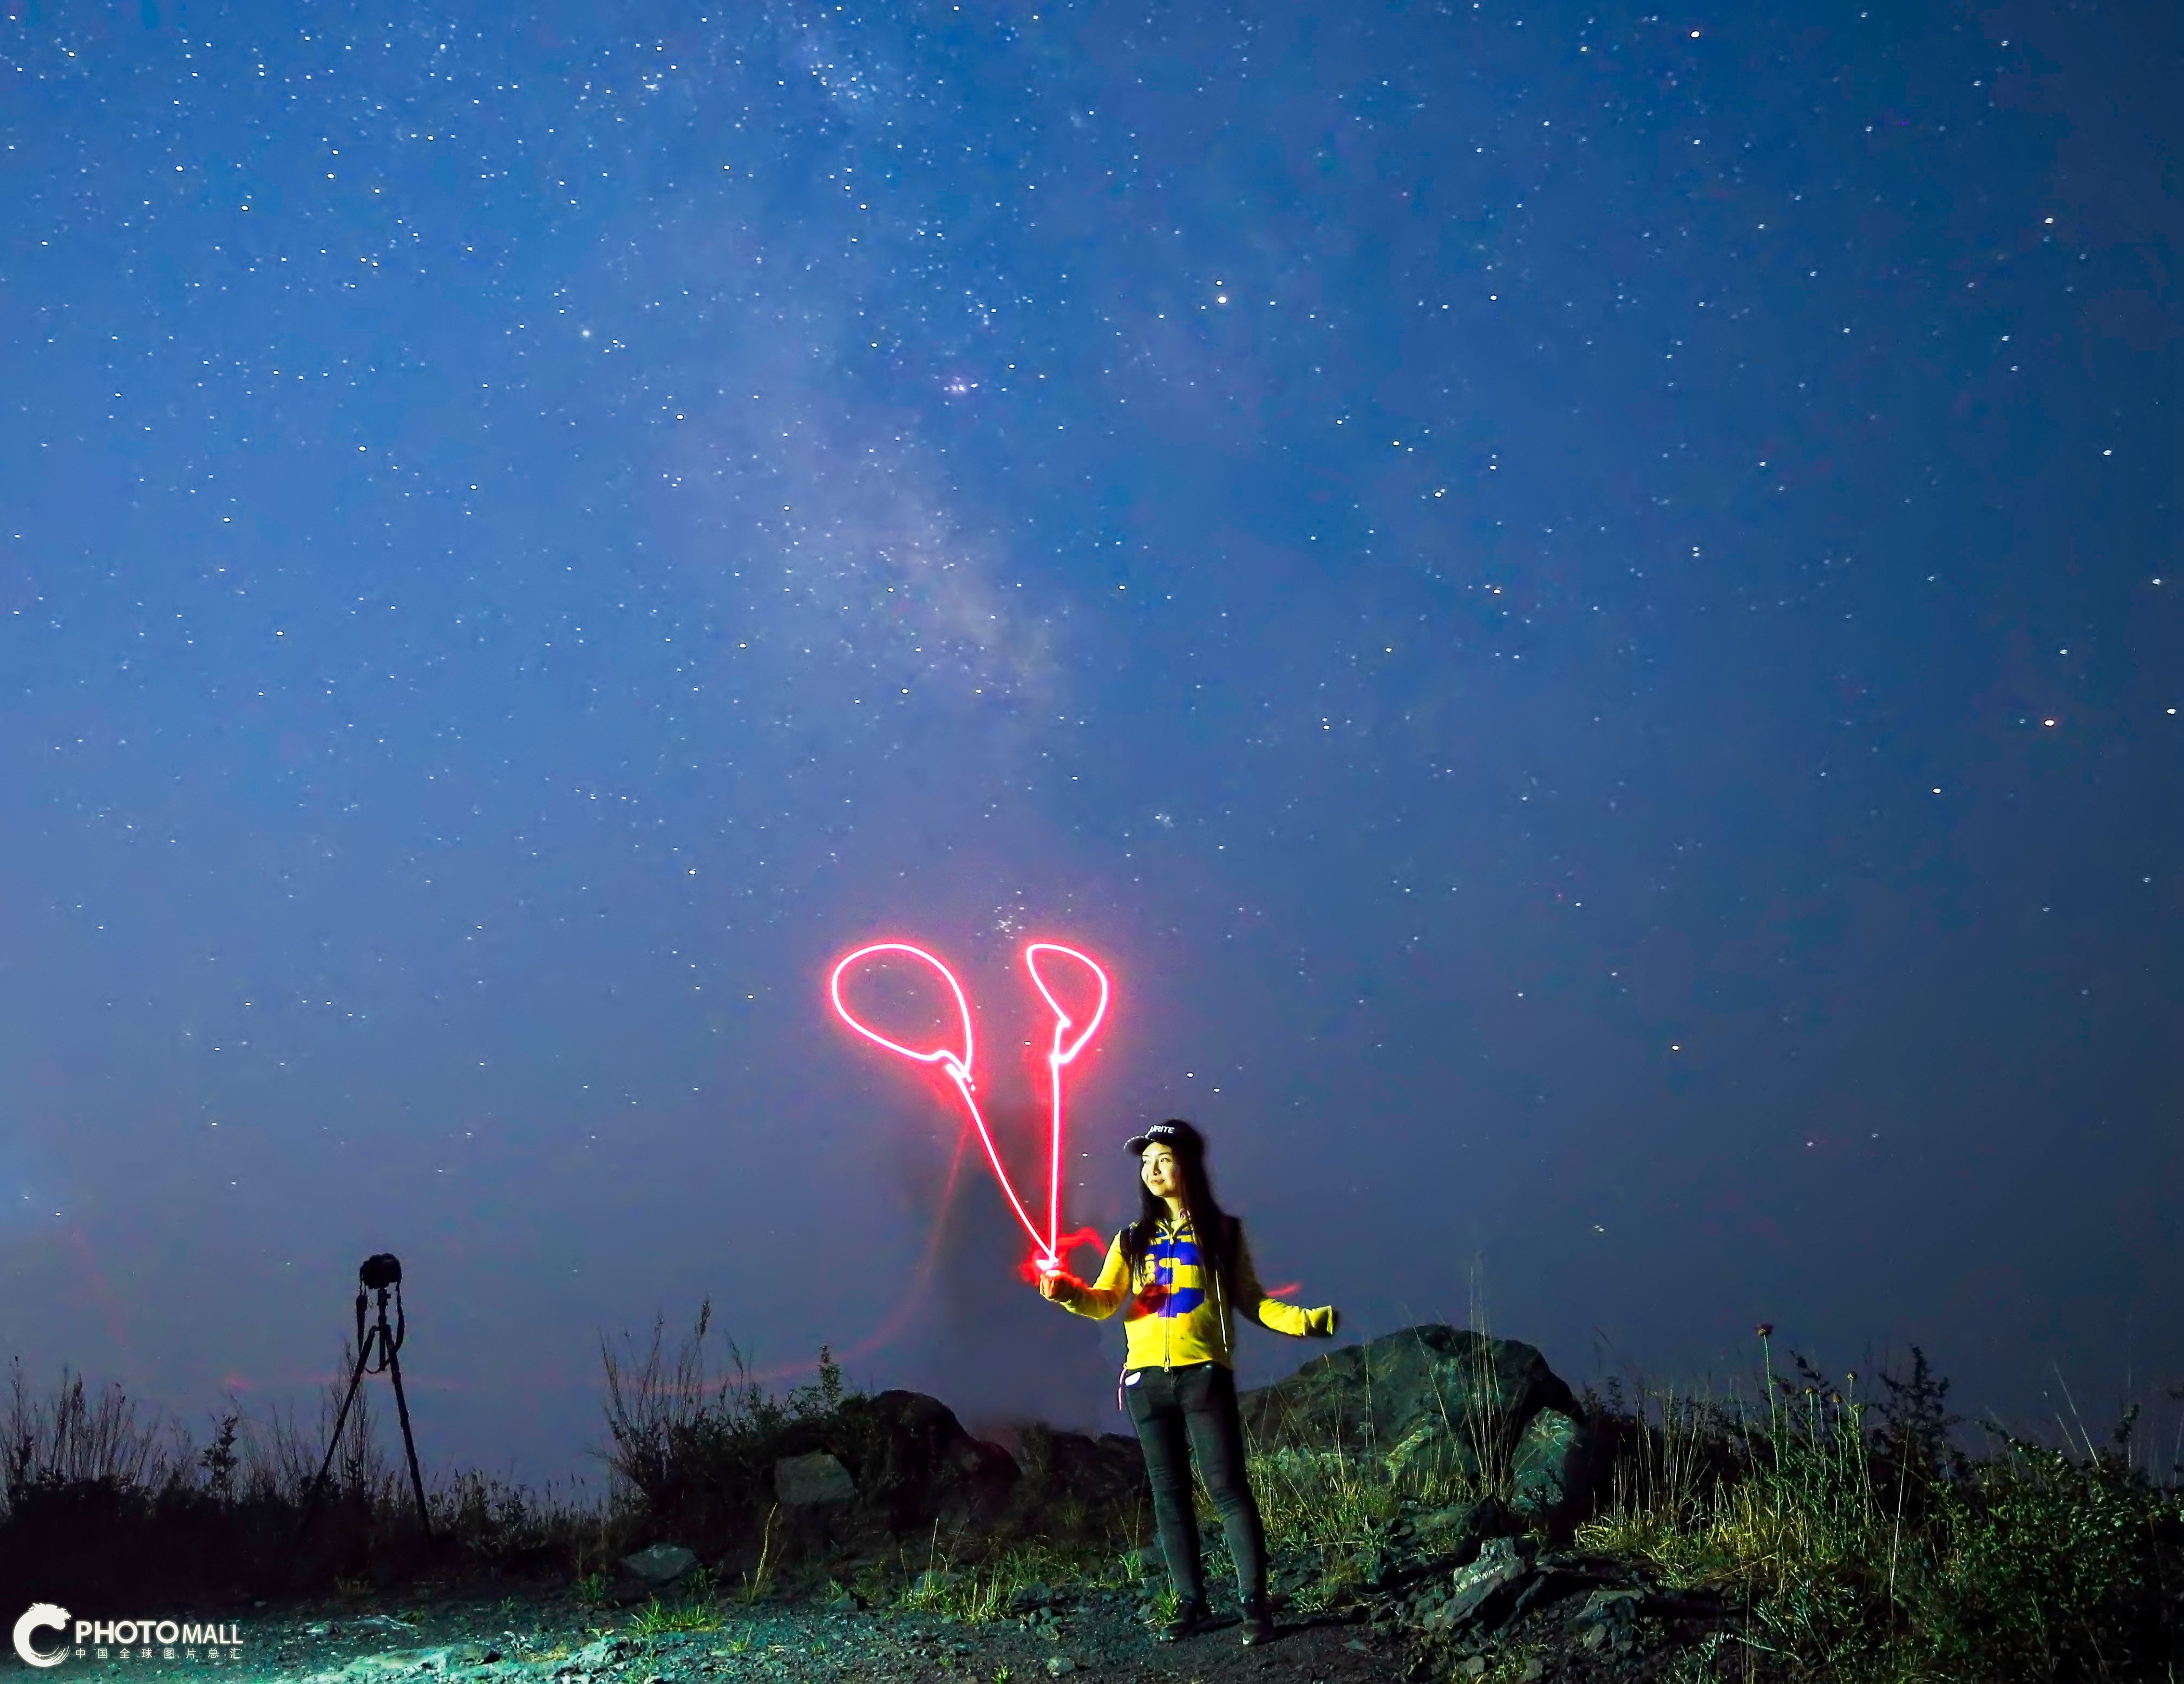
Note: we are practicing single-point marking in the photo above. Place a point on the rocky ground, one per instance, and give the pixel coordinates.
(1097, 1634)
(1507, 1615)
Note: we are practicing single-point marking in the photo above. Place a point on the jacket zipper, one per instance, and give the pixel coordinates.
(1220, 1317)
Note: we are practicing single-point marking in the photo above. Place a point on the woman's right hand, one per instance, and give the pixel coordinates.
(1050, 1284)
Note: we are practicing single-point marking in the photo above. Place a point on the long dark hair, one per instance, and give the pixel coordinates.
(1208, 1221)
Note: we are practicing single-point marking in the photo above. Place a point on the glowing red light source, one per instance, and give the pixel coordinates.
(1070, 1038)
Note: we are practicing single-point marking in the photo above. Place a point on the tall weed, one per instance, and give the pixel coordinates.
(1865, 1543)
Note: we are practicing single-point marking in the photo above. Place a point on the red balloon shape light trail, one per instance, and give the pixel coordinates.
(1064, 1053)
(1070, 1039)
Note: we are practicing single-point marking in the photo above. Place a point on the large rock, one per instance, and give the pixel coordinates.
(913, 1464)
(660, 1565)
(1065, 1469)
(815, 1480)
(875, 1467)
(1438, 1404)
(1420, 1399)
(1551, 1468)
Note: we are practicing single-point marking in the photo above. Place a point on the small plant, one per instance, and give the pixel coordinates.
(591, 1591)
(823, 1397)
(871, 1587)
(929, 1592)
(986, 1591)
(220, 1459)
(754, 1581)
(656, 1618)
(1515, 1665)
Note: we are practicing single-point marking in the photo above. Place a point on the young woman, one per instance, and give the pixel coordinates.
(1180, 1273)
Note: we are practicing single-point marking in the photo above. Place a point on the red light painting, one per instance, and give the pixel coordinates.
(1071, 1037)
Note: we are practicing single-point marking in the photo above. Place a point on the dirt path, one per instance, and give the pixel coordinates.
(522, 1640)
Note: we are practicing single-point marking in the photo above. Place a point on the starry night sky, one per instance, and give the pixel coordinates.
(1573, 600)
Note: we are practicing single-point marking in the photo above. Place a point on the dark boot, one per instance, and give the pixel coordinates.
(1190, 1618)
(1258, 1623)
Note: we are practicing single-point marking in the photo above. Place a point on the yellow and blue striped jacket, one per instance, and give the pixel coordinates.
(1174, 1312)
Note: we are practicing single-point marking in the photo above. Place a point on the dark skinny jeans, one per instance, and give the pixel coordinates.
(1177, 1410)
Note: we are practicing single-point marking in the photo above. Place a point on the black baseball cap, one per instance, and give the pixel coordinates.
(1175, 1134)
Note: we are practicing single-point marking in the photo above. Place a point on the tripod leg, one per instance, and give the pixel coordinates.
(408, 1443)
(333, 1443)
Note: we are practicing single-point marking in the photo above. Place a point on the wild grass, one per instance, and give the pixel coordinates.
(96, 1490)
(978, 1585)
(1322, 1499)
(1850, 1532)
(696, 1608)
(1334, 1511)
(1861, 1541)
(698, 1444)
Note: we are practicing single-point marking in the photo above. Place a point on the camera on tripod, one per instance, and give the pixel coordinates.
(379, 1273)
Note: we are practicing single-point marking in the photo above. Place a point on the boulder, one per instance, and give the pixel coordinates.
(1551, 1468)
(855, 1477)
(811, 1481)
(660, 1565)
(1426, 1398)
(1097, 1473)
(913, 1464)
